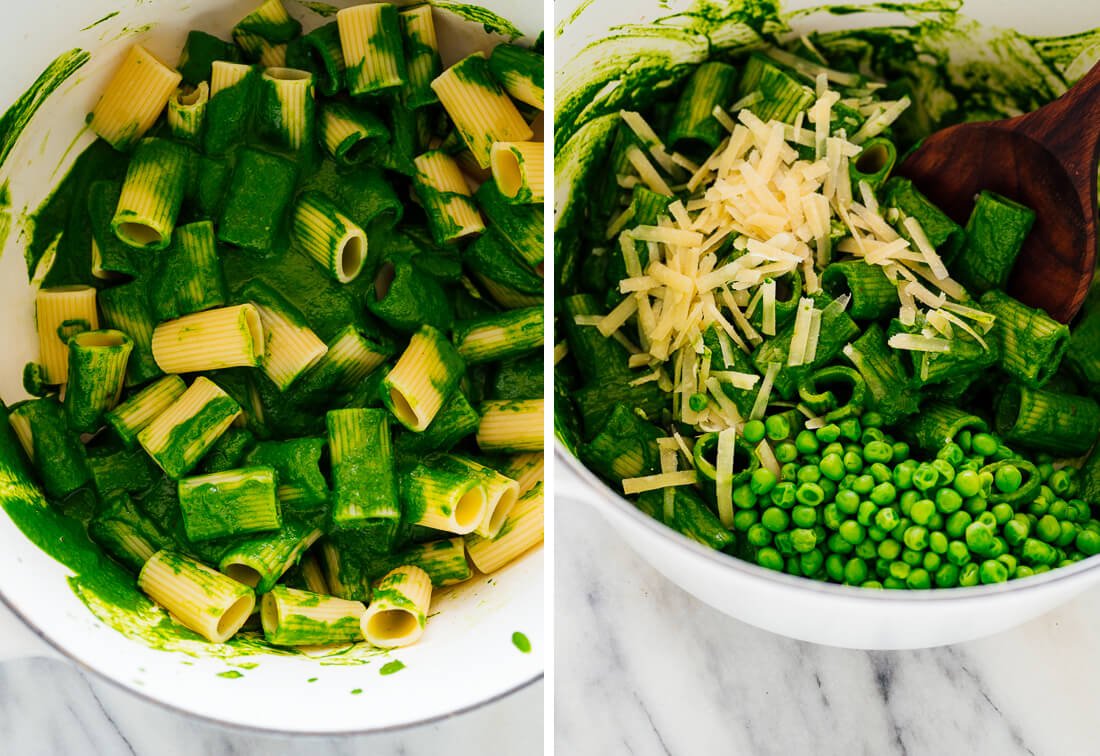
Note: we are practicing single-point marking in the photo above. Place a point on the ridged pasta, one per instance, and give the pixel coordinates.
(505, 296)
(187, 111)
(374, 58)
(313, 575)
(229, 503)
(348, 133)
(151, 195)
(291, 348)
(511, 426)
(133, 415)
(201, 599)
(224, 74)
(329, 237)
(350, 359)
(179, 437)
(421, 55)
(22, 427)
(299, 618)
(481, 110)
(527, 470)
(211, 340)
(445, 496)
(262, 560)
(501, 494)
(97, 372)
(518, 169)
(133, 99)
(424, 376)
(519, 71)
(399, 610)
(290, 108)
(127, 308)
(60, 313)
(522, 531)
(441, 187)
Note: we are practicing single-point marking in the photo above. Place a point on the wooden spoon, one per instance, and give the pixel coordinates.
(1046, 160)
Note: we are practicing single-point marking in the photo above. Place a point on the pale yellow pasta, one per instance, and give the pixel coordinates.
(480, 109)
(506, 297)
(399, 608)
(23, 430)
(187, 109)
(294, 95)
(522, 531)
(269, 54)
(134, 98)
(446, 196)
(373, 55)
(501, 494)
(134, 415)
(449, 501)
(312, 575)
(211, 340)
(201, 599)
(514, 426)
(414, 383)
(518, 169)
(527, 470)
(269, 13)
(177, 453)
(224, 74)
(97, 265)
(60, 313)
(291, 348)
(293, 617)
(351, 357)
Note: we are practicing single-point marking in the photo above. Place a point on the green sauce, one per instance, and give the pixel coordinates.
(490, 21)
(231, 674)
(520, 641)
(390, 668)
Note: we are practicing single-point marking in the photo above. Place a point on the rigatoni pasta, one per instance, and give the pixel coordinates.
(97, 372)
(134, 98)
(511, 425)
(330, 237)
(61, 312)
(442, 190)
(364, 480)
(133, 415)
(424, 376)
(522, 531)
(399, 608)
(290, 348)
(179, 437)
(229, 503)
(288, 106)
(421, 54)
(187, 111)
(204, 600)
(518, 170)
(151, 195)
(300, 618)
(374, 60)
(210, 340)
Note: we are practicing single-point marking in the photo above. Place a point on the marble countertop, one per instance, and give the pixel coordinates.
(52, 708)
(645, 668)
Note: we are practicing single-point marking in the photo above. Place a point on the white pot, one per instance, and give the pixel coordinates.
(466, 657)
(805, 609)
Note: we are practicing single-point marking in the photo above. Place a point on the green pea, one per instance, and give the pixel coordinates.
(881, 473)
(783, 544)
(829, 488)
(863, 485)
(912, 557)
(931, 561)
(833, 448)
(1002, 513)
(792, 566)
(831, 516)
(1061, 482)
(698, 402)
(964, 440)
(951, 453)
(855, 571)
(850, 429)
(832, 467)
(743, 519)
(979, 537)
(1024, 571)
(1068, 534)
(1010, 562)
(828, 434)
(777, 427)
(892, 583)
(907, 500)
(867, 549)
(763, 480)
(948, 501)
(1017, 530)
(809, 494)
(957, 523)
(935, 522)
(1036, 552)
(853, 462)
(987, 519)
(838, 545)
(811, 562)
(1038, 507)
(834, 567)
(877, 534)
(919, 579)
(789, 471)
(984, 444)
(1048, 529)
(968, 575)
(922, 511)
(866, 514)
(852, 532)
(1088, 542)
(806, 442)
(808, 474)
(887, 518)
(872, 420)
(916, 538)
(945, 469)
(900, 570)
(847, 502)
(754, 431)
(1008, 479)
(783, 495)
(992, 571)
(759, 535)
(1058, 509)
(775, 519)
(786, 452)
(925, 477)
(770, 558)
(804, 516)
(967, 483)
(888, 549)
(947, 576)
(957, 553)
(884, 493)
(903, 474)
(803, 540)
(901, 450)
(1045, 469)
(975, 505)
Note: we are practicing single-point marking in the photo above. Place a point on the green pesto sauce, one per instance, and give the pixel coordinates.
(520, 641)
(356, 691)
(312, 680)
(231, 674)
(321, 9)
(214, 509)
(491, 22)
(188, 440)
(94, 24)
(390, 668)
(15, 120)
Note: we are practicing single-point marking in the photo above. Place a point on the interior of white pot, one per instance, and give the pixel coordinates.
(465, 658)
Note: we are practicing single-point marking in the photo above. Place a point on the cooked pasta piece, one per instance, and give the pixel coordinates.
(518, 170)
(312, 575)
(55, 449)
(320, 52)
(126, 532)
(520, 225)
(522, 531)
(190, 275)
(442, 494)
(210, 340)
(287, 106)
(520, 72)
(133, 99)
(97, 372)
(212, 604)
(399, 608)
(481, 110)
(299, 618)
(350, 134)
(133, 415)
(330, 237)
(187, 112)
(363, 476)
(291, 348)
(421, 54)
(229, 503)
(179, 437)
(511, 426)
(61, 313)
(424, 376)
(374, 58)
(499, 336)
(350, 358)
(444, 561)
(261, 560)
(151, 194)
(441, 187)
(270, 21)
(501, 492)
(225, 74)
(126, 308)
(526, 469)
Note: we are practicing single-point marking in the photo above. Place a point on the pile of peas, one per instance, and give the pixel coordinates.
(853, 505)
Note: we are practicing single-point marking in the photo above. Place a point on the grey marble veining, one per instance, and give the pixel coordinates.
(50, 708)
(644, 668)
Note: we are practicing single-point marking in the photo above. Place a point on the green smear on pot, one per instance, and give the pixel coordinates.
(94, 24)
(390, 668)
(231, 674)
(522, 642)
(321, 9)
(491, 22)
(15, 120)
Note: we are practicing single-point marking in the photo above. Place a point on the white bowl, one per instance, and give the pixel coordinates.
(836, 615)
(466, 657)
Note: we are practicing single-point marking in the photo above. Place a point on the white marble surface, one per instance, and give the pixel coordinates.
(644, 668)
(52, 708)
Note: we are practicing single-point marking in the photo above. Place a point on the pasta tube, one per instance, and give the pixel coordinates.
(134, 415)
(179, 437)
(364, 481)
(133, 99)
(351, 134)
(424, 376)
(496, 337)
(151, 195)
(97, 371)
(522, 531)
(190, 277)
(229, 503)
(442, 190)
(187, 112)
(291, 348)
(442, 495)
(287, 106)
(511, 426)
(210, 340)
(330, 237)
(422, 55)
(399, 609)
(61, 313)
(520, 72)
(208, 602)
(374, 60)
(518, 170)
(55, 450)
(300, 618)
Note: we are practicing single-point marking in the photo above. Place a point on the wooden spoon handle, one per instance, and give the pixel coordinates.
(1069, 128)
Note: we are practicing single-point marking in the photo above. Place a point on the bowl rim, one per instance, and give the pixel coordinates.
(246, 727)
(690, 549)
